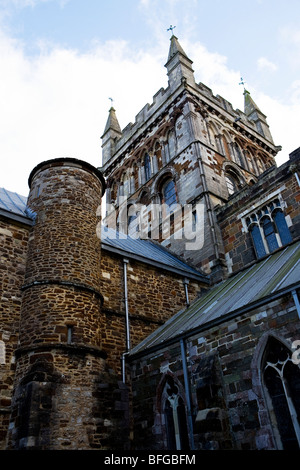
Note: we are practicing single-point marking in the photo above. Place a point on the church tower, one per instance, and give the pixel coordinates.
(186, 153)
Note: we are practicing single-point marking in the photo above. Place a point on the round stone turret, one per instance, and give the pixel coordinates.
(64, 391)
(61, 297)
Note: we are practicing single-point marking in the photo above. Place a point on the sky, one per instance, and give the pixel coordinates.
(62, 60)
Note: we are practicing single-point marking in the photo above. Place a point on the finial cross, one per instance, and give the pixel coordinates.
(242, 82)
(171, 28)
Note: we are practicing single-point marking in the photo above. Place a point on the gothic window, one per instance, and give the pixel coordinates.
(269, 233)
(282, 227)
(147, 167)
(281, 380)
(175, 418)
(257, 241)
(169, 193)
(238, 155)
(133, 221)
(268, 228)
(232, 183)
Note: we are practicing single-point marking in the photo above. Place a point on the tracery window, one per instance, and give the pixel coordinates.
(175, 418)
(281, 380)
(268, 228)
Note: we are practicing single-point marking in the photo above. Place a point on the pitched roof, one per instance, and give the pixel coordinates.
(268, 279)
(14, 205)
(148, 252)
(12, 202)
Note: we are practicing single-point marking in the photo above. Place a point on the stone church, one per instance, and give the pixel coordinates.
(171, 323)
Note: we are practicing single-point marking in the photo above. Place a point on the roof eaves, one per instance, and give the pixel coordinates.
(209, 324)
(186, 273)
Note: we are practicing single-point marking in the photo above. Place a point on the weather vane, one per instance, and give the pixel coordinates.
(111, 100)
(242, 82)
(171, 28)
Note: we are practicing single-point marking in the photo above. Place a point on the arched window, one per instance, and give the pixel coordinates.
(169, 193)
(257, 241)
(238, 155)
(282, 227)
(281, 380)
(147, 166)
(175, 418)
(268, 228)
(232, 183)
(269, 232)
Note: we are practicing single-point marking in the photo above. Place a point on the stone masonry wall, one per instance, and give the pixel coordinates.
(239, 419)
(238, 245)
(13, 249)
(154, 295)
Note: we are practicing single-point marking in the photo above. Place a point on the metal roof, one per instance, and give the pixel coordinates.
(148, 252)
(267, 279)
(14, 206)
(13, 202)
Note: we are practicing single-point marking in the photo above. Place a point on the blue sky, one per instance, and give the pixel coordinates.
(61, 61)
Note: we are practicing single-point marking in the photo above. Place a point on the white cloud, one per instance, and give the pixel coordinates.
(56, 104)
(265, 64)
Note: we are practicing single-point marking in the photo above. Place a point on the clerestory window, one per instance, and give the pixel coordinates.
(268, 228)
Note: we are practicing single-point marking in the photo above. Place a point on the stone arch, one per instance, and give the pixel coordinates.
(171, 405)
(233, 177)
(168, 172)
(270, 428)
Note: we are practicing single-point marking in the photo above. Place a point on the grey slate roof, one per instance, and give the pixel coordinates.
(272, 277)
(13, 202)
(147, 251)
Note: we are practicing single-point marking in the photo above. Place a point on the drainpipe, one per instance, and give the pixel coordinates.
(296, 300)
(128, 345)
(186, 283)
(187, 392)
